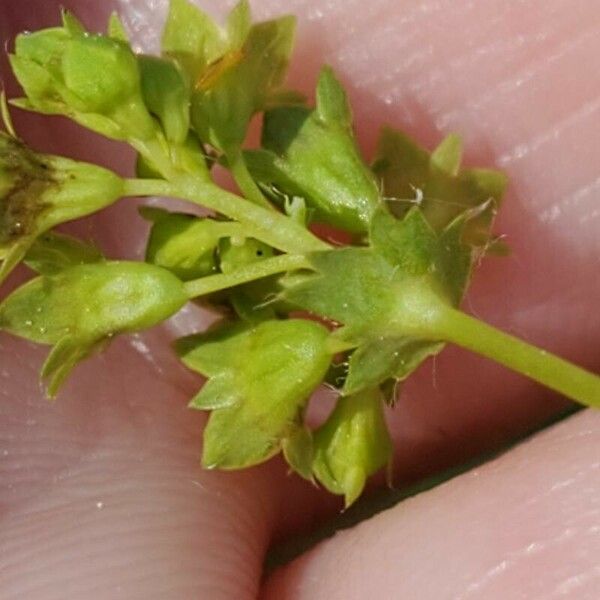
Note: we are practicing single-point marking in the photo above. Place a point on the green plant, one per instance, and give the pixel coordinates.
(297, 311)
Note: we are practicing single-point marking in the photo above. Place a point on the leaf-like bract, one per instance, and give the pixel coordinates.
(411, 176)
(259, 379)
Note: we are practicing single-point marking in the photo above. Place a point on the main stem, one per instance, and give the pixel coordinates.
(540, 365)
(269, 226)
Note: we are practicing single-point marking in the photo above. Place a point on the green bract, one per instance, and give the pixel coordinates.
(81, 307)
(259, 380)
(313, 155)
(53, 252)
(352, 444)
(411, 176)
(416, 272)
(92, 78)
(38, 192)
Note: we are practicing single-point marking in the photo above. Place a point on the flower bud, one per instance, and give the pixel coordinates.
(313, 154)
(81, 307)
(184, 244)
(94, 79)
(38, 192)
(352, 444)
(92, 301)
(101, 72)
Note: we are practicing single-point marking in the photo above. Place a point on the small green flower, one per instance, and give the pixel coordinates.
(352, 444)
(38, 192)
(79, 309)
(92, 78)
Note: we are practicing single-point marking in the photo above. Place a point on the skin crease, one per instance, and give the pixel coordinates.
(101, 494)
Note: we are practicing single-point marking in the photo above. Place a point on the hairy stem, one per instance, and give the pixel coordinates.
(251, 272)
(542, 366)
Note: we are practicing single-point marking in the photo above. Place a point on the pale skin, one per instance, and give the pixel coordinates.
(102, 495)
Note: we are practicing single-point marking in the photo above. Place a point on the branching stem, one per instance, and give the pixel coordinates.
(268, 226)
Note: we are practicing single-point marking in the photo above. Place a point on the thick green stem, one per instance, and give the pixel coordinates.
(251, 272)
(247, 185)
(540, 365)
(269, 226)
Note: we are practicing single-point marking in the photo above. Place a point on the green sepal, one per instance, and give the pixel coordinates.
(215, 394)
(71, 23)
(448, 155)
(386, 295)
(298, 451)
(417, 251)
(352, 444)
(385, 358)
(411, 176)
(239, 23)
(116, 29)
(167, 95)
(38, 192)
(332, 106)
(313, 154)
(435, 266)
(53, 252)
(61, 361)
(240, 84)
(264, 376)
(99, 73)
(233, 71)
(192, 38)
